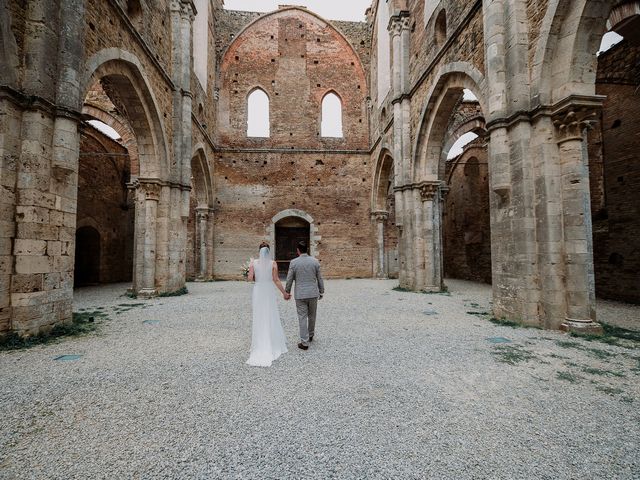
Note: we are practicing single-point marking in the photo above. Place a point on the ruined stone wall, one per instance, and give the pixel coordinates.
(465, 43)
(104, 204)
(106, 26)
(466, 222)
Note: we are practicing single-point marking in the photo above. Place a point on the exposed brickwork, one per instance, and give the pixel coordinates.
(296, 58)
(467, 234)
(104, 204)
(617, 228)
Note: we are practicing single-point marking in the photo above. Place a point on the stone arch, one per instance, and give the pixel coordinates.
(472, 125)
(128, 137)
(440, 28)
(283, 11)
(565, 61)
(444, 95)
(202, 178)
(383, 174)
(128, 81)
(292, 212)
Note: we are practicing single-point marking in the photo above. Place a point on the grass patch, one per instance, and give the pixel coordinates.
(82, 323)
(604, 373)
(503, 322)
(444, 291)
(613, 335)
(596, 352)
(176, 293)
(512, 354)
(567, 377)
(609, 390)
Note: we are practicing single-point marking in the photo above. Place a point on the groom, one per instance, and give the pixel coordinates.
(305, 270)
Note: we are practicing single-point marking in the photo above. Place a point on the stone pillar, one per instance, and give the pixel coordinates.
(431, 195)
(571, 121)
(419, 242)
(202, 217)
(151, 198)
(399, 32)
(380, 217)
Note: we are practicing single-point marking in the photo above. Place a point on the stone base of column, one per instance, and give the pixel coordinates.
(432, 289)
(585, 327)
(201, 279)
(148, 293)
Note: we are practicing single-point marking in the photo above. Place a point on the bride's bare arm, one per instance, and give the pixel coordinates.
(251, 275)
(276, 278)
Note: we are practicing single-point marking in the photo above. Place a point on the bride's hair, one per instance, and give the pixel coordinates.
(263, 244)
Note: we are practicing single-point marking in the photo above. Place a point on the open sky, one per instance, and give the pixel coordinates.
(350, 10)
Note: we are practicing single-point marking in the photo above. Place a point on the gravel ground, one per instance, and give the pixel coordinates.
(395, 384)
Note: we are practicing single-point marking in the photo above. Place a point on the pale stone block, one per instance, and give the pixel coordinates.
(29, 299)
(27, 283)
(54, 248)
(6, 262)
(70, 220)
(56, 218)
(29, 247)
(33, 264)
(37, 230)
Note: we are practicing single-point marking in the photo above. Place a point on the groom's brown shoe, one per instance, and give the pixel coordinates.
(301, 346)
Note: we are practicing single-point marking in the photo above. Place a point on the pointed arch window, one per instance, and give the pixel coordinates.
(258, 114)
(331, 116)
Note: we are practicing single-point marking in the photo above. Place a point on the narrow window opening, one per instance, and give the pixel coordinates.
(258, 114)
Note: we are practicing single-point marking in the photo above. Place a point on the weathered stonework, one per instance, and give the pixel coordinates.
(381, 201)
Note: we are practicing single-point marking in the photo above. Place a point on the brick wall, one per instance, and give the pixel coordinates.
(296, 58)
(617, 229)
(467, 232)
(103, 203)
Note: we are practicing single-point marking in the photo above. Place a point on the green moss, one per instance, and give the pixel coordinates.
(82, 323)
(567, 377)
(512, 354)
(176, 293)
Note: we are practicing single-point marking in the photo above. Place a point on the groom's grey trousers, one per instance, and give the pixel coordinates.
(305, 271)
(306, 318)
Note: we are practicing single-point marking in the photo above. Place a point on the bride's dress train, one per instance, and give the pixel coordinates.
(268, 341)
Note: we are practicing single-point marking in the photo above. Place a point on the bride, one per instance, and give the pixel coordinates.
(267, 340)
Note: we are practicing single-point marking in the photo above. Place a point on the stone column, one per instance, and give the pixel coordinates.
(419, 240)
(430, 195)
(151, 198)
(380, 217)
(202, 216)
(571, 121)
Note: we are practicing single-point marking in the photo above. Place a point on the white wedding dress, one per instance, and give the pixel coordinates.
(267, 339)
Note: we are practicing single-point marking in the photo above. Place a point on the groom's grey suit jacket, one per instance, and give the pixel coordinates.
(305, 270)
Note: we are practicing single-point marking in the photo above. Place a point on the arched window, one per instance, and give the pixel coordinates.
(258, 114)
(134, 11)
(331, 116)
(440, 31)
(384, 51)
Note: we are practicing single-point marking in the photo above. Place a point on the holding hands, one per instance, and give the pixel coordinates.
(287, 296)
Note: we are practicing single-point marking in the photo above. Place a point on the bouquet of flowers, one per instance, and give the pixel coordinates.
(245, 268)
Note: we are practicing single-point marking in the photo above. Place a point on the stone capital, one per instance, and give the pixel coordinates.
(429, 190)
(379, 216)
(151, 190)
(397, 24)
(202, 213)
(573, 115)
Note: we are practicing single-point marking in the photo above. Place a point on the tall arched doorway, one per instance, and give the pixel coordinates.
(87, 263)
(290, 231)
